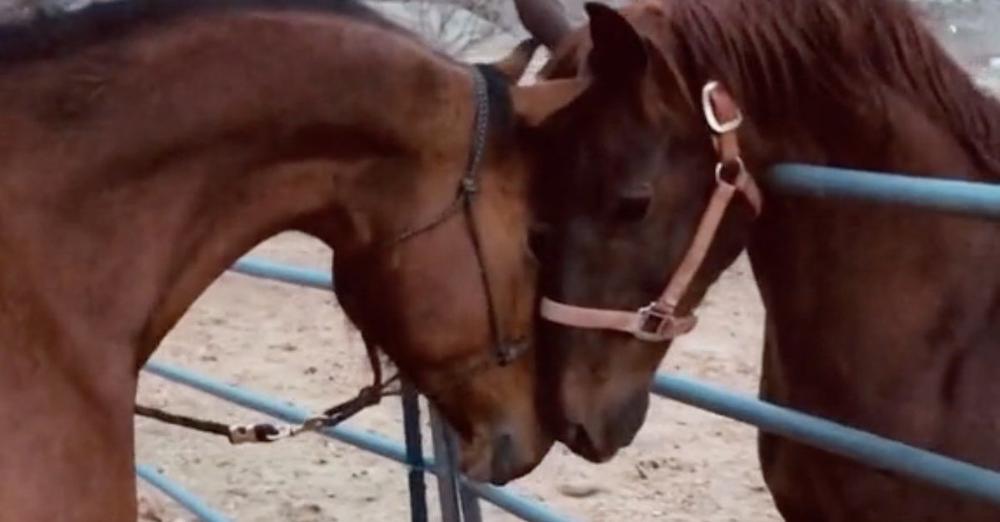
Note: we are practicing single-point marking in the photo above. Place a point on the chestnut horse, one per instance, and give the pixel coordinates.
(879, 317)
(172, 136)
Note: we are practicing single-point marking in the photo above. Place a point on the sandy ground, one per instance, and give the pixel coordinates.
(685, 465)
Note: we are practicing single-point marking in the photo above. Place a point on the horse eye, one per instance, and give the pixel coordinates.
(538, 234)
(633, 206)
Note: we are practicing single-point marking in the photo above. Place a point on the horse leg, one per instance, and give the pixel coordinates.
(784, 467)
(67, 448)
(789, 484)
(808, 484)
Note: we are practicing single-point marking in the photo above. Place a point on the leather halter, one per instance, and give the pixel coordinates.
(658, 321)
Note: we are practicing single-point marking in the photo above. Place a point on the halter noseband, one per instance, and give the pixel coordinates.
(658, 321)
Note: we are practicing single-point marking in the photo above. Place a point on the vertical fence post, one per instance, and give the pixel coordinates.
(446, 479)
(414, 453)
(462, 503)
(470, 503)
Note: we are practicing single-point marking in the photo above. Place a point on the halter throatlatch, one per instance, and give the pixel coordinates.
(658, 321)
(504, 353)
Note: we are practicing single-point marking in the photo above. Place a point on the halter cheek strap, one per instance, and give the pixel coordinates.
(658, 321)
(505, 350)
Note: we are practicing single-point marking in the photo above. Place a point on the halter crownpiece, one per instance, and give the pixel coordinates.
(658, 321)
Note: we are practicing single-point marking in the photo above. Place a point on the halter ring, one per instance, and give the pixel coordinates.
(721, 166)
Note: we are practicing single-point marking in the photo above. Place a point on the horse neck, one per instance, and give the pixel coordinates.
(167, 155)
(845, 280)
(889, 133)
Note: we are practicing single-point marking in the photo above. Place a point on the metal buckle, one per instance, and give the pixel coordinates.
(242, 434)
(663, 319)
(510, 351)
(311, 424)
(284, 432)
(710, 117)
(247, 433)
(740, 169)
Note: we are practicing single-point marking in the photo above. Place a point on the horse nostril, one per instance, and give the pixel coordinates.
(629, 420)
(579, 440)
(504, 462)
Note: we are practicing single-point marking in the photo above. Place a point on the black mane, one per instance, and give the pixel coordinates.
(49, 35)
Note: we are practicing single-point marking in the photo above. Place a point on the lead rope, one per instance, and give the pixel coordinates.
(470, 187)
(467, 190)
(269, 432)
(469, 183)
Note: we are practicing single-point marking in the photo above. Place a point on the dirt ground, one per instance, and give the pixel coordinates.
(685, 465)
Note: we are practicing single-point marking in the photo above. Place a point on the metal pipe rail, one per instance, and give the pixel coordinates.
(848, 442)
(967, 198)
(180, 495)
(522, 507)
(262, 268)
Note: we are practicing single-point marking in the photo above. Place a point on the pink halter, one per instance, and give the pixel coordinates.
(657, 321)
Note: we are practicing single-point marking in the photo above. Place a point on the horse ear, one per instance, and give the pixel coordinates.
(534, 103)
(619, 53)
(669, 76)
(514, 65)
(544, 19)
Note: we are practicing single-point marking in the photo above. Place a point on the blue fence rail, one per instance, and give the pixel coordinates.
(523, 507)
(981, 200)
(966, 198)
(864, 447)
(177, 492)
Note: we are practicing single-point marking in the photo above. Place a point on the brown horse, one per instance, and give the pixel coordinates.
(172, 136)
(879, 317)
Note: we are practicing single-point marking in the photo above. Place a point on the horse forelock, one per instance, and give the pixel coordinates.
(777, 57)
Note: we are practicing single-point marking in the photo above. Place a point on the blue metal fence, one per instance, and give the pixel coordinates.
(864, 447)
(966, 198)
(943, 195)
(523, 507)
(177, 492)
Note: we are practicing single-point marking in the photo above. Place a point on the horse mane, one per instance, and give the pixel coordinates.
(47, 36)
(780, 55)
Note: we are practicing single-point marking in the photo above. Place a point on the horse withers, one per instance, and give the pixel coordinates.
(146, 145)
(879, 317)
